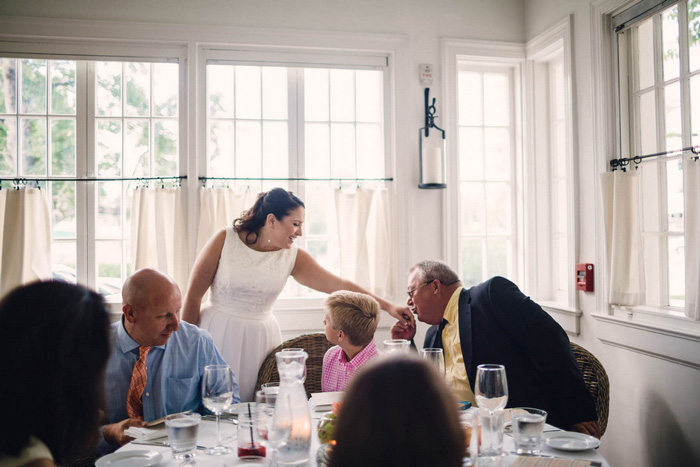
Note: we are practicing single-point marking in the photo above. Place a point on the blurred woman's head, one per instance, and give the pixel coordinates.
(397, 412)
(272, 210)
(54, 338)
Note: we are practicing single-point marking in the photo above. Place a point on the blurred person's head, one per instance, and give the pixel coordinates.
(279, 213)
(398, 411)
(54, 338)
(152, 303)
(352, 316)
(430, 287)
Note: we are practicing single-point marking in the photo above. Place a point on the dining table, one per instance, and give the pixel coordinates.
(548, 456)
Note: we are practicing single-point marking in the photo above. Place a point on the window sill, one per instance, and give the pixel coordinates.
(568, 318)
(632, 329)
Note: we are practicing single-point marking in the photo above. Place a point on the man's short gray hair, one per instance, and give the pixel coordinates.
(429, 271)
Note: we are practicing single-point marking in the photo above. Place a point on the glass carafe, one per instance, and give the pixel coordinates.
(292, 412)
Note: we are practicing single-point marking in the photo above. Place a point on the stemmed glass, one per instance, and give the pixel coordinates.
(436, 357)
(491, 394)
(281, 426)
(217, 396)
(265, 410)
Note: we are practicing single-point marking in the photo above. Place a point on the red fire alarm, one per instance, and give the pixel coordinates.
(584, 277)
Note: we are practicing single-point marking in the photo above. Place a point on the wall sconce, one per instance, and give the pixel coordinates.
(431, 150)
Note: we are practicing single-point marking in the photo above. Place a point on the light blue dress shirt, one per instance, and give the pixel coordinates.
(175, 372)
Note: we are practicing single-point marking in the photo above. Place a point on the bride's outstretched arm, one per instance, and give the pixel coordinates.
(202, 275)
(308, 272)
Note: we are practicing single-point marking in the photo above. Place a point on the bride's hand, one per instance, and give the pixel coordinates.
(403, 314)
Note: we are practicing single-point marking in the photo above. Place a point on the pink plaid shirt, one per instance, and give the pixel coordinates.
(338, 371)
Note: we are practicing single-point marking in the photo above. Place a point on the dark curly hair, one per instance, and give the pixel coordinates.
(277, 201)
(54, 338)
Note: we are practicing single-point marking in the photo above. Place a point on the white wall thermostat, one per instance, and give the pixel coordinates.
(426, 74)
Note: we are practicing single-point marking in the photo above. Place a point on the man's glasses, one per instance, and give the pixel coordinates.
(410, 292)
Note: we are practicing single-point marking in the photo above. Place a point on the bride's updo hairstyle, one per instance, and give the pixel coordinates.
(278, 202)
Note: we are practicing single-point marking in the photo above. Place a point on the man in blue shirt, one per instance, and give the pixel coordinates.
(174, 355)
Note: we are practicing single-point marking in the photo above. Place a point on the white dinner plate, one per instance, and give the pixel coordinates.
(130, 458)
(570, 441)
(241, 407)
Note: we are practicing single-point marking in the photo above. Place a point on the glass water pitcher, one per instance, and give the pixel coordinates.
(292, 409)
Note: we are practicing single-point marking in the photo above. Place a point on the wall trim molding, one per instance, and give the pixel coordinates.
(568, 318)
(672, 345)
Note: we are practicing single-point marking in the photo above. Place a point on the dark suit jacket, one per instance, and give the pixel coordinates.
(499, 324)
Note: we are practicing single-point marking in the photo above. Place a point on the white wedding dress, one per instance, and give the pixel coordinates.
(238, 313)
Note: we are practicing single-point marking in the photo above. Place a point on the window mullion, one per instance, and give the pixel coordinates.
(295, 93)
(85, 166)
(686, 128)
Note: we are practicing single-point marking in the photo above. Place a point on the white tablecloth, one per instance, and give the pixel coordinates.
(207, 438)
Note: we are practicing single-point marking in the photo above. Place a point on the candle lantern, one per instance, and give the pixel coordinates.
(431, 150)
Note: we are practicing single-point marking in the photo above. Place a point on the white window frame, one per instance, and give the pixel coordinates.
(551, 45)
(108, 39)
(481, 53)
(631, 143)
(93, 51)
(295, 60)
(653, 334)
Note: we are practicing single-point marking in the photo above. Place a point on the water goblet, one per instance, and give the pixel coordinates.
(491, 393)
(217, 396)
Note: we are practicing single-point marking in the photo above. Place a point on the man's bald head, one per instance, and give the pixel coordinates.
(147, 286)
(151, 305)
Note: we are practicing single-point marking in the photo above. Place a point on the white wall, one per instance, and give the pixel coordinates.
(654, 405)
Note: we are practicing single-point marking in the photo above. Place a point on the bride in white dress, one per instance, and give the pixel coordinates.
(247, 267)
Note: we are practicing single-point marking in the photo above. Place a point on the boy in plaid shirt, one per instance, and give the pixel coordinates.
(351, 320)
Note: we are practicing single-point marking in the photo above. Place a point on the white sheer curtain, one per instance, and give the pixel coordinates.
(25, 238)
(691, 183)
(365, 235)
(218, 208)
(623, 237)
(159, 232)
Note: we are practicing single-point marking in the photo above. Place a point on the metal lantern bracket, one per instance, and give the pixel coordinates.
(425, 132)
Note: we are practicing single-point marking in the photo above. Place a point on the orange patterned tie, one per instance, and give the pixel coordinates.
(134, 406)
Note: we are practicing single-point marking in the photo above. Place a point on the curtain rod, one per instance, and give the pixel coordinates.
(87, 179)
(204, 179)
(623, 162)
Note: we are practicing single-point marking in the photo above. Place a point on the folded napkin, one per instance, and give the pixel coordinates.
(549, 462)
(145, 433)
(323, 401)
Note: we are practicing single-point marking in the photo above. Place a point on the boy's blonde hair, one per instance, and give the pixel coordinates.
(356, 314)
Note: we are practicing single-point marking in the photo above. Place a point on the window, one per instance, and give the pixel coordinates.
(66, 119)
(659, 63)
(488, 206)
(551, 220)
(277, 124)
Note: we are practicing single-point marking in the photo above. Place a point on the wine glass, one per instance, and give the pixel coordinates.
(491, 389)
(295, 349)
(436, 357)
(265, 409)
(217, 396)
(491, 393)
